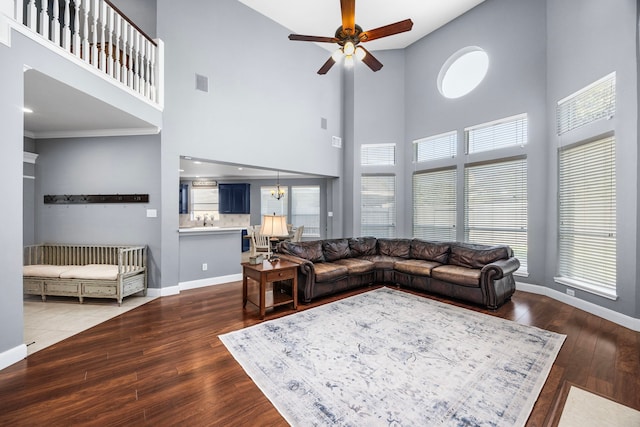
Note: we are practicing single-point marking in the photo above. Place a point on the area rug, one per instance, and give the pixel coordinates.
(586, 409)
(391, 358)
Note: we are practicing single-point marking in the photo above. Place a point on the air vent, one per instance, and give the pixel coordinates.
(336, 141)
(323, 123)
(202, 83)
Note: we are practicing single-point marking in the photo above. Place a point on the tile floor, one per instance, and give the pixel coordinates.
(46, 323)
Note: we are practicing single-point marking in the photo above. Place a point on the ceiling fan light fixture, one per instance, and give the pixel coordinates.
(360, 53)
(337, 55)
(348, 61)
(349, 48)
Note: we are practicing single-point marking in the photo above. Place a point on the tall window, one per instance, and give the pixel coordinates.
(442, 146)
(496, 206)
(378, 209)
(587, 214)
(378, 154)
(269, 205)
(434, 205)
(305, 209)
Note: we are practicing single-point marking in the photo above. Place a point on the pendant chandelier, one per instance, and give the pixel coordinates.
(278, 193)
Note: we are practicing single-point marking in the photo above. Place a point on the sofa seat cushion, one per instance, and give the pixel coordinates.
(383, 262)
(43, 270)
(327, 271)
(416, 267)
(458, 275)
(356, 266)
(91, 271)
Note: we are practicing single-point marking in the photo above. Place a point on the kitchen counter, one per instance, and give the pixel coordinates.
(207, 230)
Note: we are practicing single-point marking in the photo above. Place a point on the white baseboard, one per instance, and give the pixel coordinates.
(12, 356)
(193, 284)
(163, 292)
(613, 316)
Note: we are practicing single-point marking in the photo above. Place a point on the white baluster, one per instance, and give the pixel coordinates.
(94, 34)
(66, 26)
(152, 72)
(18, 11)
(132, 63)
(55, 23)
(143, 65)
(116, 47)
(136, 51)
(75, 39)
(44, 19)
(102, 61)
(32, 15)
(85, 30)
(125, 53)
(110, 46)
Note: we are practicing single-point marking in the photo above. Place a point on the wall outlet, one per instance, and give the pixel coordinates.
(204, 267)
(571, 292)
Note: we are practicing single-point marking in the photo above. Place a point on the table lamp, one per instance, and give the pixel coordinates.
(273, 226)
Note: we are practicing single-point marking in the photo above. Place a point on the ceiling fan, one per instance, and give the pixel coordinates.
(349, 36)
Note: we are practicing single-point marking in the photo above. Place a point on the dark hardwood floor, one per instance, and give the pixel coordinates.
(162, 364)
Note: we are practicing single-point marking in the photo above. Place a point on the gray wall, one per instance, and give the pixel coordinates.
(141, 12)
(11, 170)
(28, 196)
(583, 47)
(114, 165)
(264, 106)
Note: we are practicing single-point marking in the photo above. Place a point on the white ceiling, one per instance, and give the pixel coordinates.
(200, 168)
(323, 17)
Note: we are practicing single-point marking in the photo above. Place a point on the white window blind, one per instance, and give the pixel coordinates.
(591, 103)
(204, 201)
(378, 205)
(442, 146)
(587, 214)
(305, 209)
(508, 132)
(496, 206)
(269, 205)
(434, 205)
(378, 154)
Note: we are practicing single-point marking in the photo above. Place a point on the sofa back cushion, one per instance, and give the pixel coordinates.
(430, 251)
(335, 249)
(311, 251)
(477, 256)
(394, 247)
(360, 246)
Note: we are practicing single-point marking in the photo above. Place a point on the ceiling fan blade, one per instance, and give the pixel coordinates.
(371, 60)
(387, 30)
(320, 39)
(327, 66)
(348, 8)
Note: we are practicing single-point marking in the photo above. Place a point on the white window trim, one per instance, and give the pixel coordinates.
(587, 287)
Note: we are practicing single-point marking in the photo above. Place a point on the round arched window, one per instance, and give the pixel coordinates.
(463, 72)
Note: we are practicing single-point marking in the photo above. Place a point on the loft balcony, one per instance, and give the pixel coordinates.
(99, 36)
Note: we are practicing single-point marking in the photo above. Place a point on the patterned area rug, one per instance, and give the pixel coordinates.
(386, 357)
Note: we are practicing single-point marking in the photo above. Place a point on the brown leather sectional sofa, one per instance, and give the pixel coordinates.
(475, 273)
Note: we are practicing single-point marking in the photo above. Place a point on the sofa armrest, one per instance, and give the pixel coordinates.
(499, 269)
(306, 274)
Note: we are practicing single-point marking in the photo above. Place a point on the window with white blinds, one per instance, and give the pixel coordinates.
(495, 209)
(378, 154)
(305, 209)
(508, 132)
(591, 103)
(269, 205)
(434, 205)
(442, 146)
(378, 205)
(587, 215)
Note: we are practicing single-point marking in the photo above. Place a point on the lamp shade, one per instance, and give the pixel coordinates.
(274, 225)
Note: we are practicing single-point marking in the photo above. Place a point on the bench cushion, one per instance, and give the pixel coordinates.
(42, 270)
(91, 271)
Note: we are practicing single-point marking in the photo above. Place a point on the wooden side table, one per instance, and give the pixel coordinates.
(270, 272)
